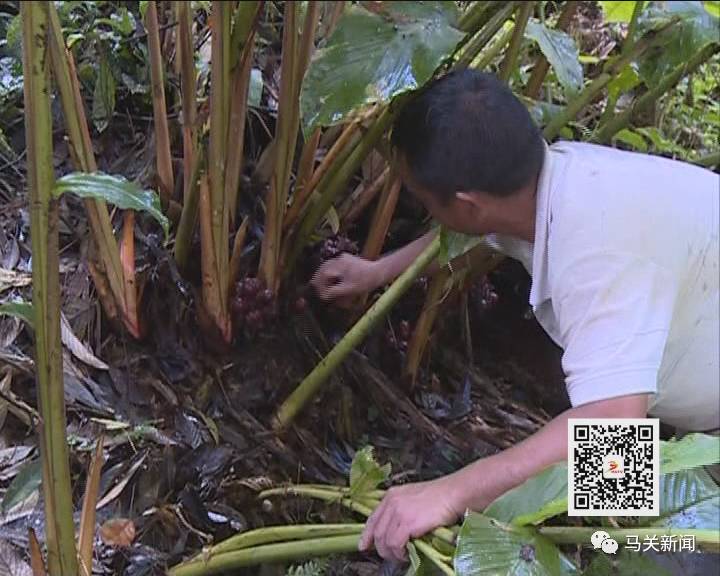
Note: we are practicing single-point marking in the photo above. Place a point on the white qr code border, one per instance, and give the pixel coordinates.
(573, 423)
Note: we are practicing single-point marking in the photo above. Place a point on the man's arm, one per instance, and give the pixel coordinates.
(414, 510)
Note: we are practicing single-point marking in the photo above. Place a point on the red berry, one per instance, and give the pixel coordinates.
(255, 319)
(239, 305)
(300, 305)
(251, 286)
(266, 296)
(404, 329)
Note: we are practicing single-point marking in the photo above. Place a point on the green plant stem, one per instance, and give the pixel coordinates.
(314, 381)
(474, 16)
(620, 121)
(511, 56)
(189, 214)
(706, 540)
(486, 57)
(336, 181)
(57, 491)
(593, 89)
(434, 556)
(270, 553)
(486, 33)
(362, 505)
(275, 534)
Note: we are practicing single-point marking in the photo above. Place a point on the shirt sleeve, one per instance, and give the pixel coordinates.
(614, 312)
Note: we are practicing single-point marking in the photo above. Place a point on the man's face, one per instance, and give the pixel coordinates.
(456, 214)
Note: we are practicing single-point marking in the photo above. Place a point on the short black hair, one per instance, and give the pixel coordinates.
(466, 131)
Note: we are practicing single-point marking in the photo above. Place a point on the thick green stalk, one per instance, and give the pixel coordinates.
(336, 181)
(486, 33)
(270, 553)
(486, 57)
(705, 540)
(511, 56)
(189, 214)
(314, 381)
(60, 532)
(620, 121)
(275, 534)
(593, 89)
(434, 556)
(473, 17)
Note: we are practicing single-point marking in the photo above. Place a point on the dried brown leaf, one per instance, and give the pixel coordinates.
(118, 532)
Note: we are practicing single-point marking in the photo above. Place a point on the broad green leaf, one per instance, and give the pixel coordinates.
(632, 139)
(713, 7)
(454, 244)
(561, 52)
(693, 27)
(22, 310)
(690, 451)
(627, 563)
(659, 142)
(486, 547)
(365, 473)
(372, 57)
(113, 189)
(103, 97)
(621, 11)
(688, 499)
(535, 500)
(23, 485)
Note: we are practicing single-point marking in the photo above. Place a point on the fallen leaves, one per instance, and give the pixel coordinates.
(118, 532)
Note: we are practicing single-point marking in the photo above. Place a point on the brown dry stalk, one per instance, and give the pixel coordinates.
(162, 132)
(86, 536)
(360, 199)
(238, 245)
(127, 258)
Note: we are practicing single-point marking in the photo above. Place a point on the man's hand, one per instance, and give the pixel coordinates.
(345, 276)
(409, 512)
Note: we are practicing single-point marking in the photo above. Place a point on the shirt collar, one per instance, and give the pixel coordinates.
(553, 167)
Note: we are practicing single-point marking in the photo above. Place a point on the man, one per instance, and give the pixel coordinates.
(623, 253)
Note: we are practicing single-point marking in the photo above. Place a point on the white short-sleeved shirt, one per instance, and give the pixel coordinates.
(625, 278)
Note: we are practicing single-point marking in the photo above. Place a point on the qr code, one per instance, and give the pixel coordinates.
(613, 466)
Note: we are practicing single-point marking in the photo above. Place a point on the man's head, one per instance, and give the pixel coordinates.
(466, 145)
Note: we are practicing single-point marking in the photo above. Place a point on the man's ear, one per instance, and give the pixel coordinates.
(475, 200)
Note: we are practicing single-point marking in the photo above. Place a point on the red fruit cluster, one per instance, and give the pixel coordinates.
(398, 339)
(335, 246)
(253, 304)
(484, 294)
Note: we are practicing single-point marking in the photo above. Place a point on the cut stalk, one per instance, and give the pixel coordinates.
(314, 381)
(594, 89)
(486, 33)
(540, 70)
(274, 534)
(162, 132)
(87, 517)
(57, 491)
(270, 553)
(511, 56)
(620, 121)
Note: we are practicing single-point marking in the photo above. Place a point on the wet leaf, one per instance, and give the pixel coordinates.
(561, 52)
(113, 189)
(627, 563)
(103, 97)
(688, 499)
(486, 547)
(693, 28)
(11, 562)
(691, 451)
(373, 57)
(535, 500)
(454, 244)
(119, 532)
(365, 473)
(22, 310)
(23, 486)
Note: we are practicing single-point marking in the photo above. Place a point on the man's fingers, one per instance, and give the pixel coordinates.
(368, 534)
(384, 524)
(397, 538)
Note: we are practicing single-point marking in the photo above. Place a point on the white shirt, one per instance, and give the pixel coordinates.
(625, 278)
